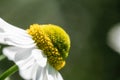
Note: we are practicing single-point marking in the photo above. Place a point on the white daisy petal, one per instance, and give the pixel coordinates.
(16, 53)
(47, 73)
(24, 64)
(27, 67)
(6, 27)
(22, 54)
(29, 72)
(53, 74)
(39, 74)
(40, 58)
(13, 43)
(58, 75)
(16, 40)
(42, 73)
(10, 52)
(12, 35)
(2, 38)
(20, 39)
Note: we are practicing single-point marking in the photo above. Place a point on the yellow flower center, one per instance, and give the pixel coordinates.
(53, 40)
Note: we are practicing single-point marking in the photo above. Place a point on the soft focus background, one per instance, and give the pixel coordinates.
(86, 21)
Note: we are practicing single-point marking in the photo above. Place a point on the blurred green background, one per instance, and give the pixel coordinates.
(86, 21)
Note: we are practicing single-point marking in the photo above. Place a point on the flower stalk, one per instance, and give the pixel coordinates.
(9, 72)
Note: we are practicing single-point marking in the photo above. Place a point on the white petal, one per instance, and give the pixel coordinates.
(17, 40)
(22, 54)
(16, 53)
(39, 56)
(28, 73)
(27, 67)
(2, 38)
(53, 74)
(10, 52)
(58, 75)
(6, 27)
(20, 39)
(48, 73)
(39, 73)
(12, 35)
(24, 64)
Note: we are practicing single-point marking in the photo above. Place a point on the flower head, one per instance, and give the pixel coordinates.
(39, 51)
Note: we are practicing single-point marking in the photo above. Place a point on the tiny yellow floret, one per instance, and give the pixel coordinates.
(53, 40)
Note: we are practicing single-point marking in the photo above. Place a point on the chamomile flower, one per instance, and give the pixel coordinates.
(39, 52)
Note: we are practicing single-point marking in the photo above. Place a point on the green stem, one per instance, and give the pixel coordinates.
(8, 72)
